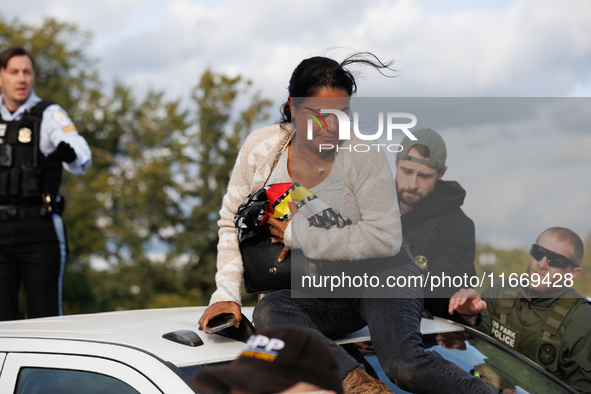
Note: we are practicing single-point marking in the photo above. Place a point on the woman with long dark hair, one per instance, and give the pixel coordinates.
(360, 187)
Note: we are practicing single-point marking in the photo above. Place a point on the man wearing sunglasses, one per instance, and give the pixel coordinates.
(546, 321)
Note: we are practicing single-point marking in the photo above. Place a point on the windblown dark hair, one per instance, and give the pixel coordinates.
(9, 53)
(320, 72)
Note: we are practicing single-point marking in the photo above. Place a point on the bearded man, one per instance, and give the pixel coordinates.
(440, 235)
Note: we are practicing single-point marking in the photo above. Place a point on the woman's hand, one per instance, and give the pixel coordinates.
(277, 229)
(217, 309)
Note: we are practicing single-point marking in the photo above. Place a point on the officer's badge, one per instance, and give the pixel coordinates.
(421, 261)
(547, 354)
(24, 135)
(2, 129)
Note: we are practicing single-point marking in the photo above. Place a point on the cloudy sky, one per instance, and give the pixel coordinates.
(519, 181)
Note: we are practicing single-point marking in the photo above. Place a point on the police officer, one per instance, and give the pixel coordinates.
(440, 235)
(545, 320)
(37, 138)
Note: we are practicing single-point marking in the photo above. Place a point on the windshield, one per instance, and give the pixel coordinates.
(476, 354)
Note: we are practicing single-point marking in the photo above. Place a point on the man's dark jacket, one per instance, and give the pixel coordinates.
(438, 229)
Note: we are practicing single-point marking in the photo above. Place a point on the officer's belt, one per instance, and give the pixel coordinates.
(19, 213)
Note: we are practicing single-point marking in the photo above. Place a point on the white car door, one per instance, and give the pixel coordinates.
(66, 374)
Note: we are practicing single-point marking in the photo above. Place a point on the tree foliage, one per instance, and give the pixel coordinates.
(217, 147)
(63, 72)
(146, 210)
(506, 262)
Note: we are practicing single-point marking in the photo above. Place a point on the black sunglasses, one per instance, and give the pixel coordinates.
(554, 259)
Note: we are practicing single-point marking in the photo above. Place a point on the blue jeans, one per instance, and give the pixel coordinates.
(394, 324)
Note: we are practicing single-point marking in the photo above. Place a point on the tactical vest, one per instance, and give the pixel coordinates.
(419, 239)
(27, 178)
(540, 341)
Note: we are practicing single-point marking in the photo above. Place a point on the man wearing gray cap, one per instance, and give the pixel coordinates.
(440, 235)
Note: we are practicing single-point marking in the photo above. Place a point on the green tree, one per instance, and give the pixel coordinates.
(504, 262)
(583, 283)
(217, 144)
(62, 72)
(162, 189)
(147, 207)
(123, 210)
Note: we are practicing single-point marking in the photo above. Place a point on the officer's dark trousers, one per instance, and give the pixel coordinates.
(32, 252)
(394, 324)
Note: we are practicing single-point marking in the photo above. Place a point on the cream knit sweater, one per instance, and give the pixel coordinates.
(368, 175)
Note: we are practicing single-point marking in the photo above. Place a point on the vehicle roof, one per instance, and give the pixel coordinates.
(143, 329)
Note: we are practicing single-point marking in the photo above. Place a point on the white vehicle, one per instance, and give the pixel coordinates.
(125, 353)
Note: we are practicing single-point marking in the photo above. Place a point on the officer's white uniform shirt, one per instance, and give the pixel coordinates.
(56, 127)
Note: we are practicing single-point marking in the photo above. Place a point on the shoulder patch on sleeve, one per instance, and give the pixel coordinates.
(69, 128)
(62, 118)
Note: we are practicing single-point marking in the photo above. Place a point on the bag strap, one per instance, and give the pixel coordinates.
(506, 303)
(40, 107)
(35, 114)
(281, 149)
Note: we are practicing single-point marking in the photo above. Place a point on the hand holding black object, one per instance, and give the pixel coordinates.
(63, 152)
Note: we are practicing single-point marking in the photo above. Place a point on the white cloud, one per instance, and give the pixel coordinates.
(524, 47)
